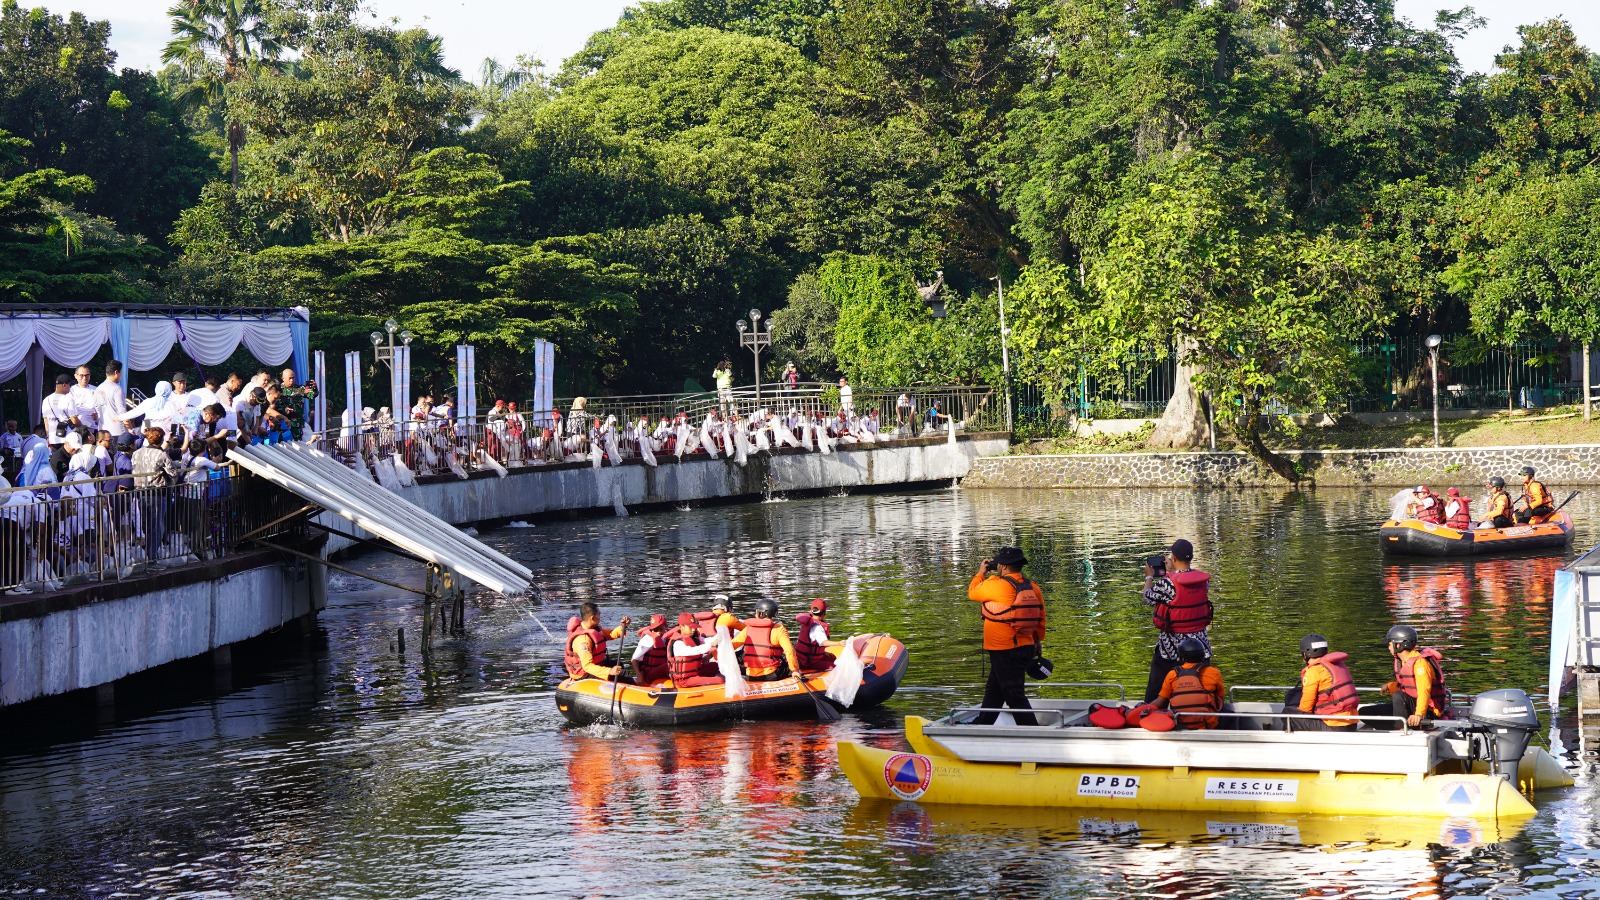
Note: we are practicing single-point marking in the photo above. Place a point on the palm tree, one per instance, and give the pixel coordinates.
(218, 42)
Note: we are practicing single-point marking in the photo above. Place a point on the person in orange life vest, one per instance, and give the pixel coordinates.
(1425, 506)
(1456, 514)
(586, 655)
(815, 652)
(1537, 496)
(1499, 505)
(688, 653)
(1195, 686)
(768, 653)
(1013, 627)
(650, 654)
(1181, 599)
(1418, 691)
(1326, 688)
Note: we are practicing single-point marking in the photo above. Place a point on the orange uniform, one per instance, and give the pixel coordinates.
(1013, 611)
(1210, 678)
(583, 646)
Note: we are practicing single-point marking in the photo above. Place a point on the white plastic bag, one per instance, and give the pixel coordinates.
(728, 666)
(845, 678)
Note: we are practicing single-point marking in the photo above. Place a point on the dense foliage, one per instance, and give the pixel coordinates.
(1252, 187)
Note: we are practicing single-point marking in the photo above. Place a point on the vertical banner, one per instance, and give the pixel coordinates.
(319, 406)
(352, 399)
(402, 398)
(461, 385)
(472, 382)
(544, 356)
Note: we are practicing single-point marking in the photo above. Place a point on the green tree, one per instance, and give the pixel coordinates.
(802, 331)
(218, 43)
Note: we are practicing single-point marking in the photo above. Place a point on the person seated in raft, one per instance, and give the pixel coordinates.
(768, 654)
(1195, 686)
(1537, 496)
(1499, 504)
(688, 655)
(586, 655)
(1456, 514)
(650, 654)
(815, 652)
(1418, 673)
(1425, 506)
(1326, 688)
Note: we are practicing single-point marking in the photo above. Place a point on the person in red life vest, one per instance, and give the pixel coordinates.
(1194, 687)
(768, 653)
(1181, 598)
(1425, 506)
(650, 654)
(1418, 691)
(815, 652)
(1326, 688)
(1456, 514)
(586, 655)
(688, 654)
(1013, 628)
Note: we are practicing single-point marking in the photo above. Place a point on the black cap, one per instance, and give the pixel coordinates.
(1010, 556)
(63, 379)
(1528, 471)
(179, 376)
(122, 442)
(1182, 549)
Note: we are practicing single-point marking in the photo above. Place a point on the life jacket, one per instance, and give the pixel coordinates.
(1024, 615)
(1460, 518)
(1190, 608)
(706, 623)
(576, 630)
(1405, 674)
(813, 656)
(1190, 695)
(1341, 698)
(1430, 510)
(1499, 505)
(759, 650)
(1538, 495)
(654, 661)
(682, 668)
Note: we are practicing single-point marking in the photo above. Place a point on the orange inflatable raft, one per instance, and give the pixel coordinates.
(1410, 537)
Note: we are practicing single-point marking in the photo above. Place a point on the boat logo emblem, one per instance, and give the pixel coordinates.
(908, 775)
(1459, 795)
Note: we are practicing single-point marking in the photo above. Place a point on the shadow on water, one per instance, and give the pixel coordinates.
(340, 767)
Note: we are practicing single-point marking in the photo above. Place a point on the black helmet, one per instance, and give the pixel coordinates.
(768, 608)
(1404, 635)
(1191, 651)
(1313, 646)
(1498, 482)
(1528, 471)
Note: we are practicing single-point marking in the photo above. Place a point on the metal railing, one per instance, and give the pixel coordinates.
(105, 529)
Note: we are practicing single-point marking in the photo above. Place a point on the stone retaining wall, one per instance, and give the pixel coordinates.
(1576, 464)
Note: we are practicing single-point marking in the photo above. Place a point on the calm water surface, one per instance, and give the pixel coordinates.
(344, 768)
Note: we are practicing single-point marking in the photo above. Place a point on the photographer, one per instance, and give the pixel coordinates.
(1013, 627)
(1182, 609)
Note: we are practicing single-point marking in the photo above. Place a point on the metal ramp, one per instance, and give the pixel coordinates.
(329, 484)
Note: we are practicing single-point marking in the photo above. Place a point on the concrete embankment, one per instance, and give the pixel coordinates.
(1462, 466)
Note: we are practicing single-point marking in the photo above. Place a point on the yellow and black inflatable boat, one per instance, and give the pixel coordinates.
(587, 700)
(1410, 537)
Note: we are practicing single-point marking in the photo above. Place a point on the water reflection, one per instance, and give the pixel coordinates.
(348, 769)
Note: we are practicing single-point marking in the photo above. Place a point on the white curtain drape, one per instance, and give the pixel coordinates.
(270, 342)
(16, 336)
(149, 342)
(72, 341)
(210, 341)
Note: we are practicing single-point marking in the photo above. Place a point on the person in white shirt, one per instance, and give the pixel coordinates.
(847, 397)
(11, 442)
(84, 399)
(177, 409)
(59, 411)
(686, 646)
(204, 396)
(111, 401)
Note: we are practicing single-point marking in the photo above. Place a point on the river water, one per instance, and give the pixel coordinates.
(338, 766)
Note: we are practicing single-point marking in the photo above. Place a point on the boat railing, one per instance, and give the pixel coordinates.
(1060, 714)
(1405, 725)
(1122, 692)
(1284, 688)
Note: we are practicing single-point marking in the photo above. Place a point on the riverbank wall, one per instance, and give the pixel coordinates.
(90, 636)
(1461, 466)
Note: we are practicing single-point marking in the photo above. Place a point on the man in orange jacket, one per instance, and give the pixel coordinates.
(1013, 627)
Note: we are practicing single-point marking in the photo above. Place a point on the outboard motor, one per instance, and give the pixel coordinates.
(1507, 721)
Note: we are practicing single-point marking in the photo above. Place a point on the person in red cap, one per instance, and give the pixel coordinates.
(1456, 514)
(650, 654)
(686, 654)
(1425, 506)
(816, 653)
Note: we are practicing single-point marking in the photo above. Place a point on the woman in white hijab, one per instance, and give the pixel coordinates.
(153, 408)
(78, 533)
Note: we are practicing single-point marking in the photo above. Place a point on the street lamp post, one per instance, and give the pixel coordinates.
(385, 354)
(753, 338)
(1433, 343)
(1005, 352)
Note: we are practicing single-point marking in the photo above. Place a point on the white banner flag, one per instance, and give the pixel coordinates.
(351, 427)
(319, 406)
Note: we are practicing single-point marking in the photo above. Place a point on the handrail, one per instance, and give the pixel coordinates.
(98, 479)
(1284, 687)
(1061, 715)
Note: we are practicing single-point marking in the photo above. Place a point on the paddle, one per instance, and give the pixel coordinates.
(1566, 501)
(825, 710)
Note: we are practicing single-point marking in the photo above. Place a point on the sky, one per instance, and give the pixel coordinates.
(552, 30)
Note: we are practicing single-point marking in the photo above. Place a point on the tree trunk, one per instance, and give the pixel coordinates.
(235, 141)
(1183, 425)
(1248, 430)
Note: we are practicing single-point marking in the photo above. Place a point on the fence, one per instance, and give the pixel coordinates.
(104, 529)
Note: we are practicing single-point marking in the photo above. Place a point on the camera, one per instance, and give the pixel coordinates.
(1157, 563)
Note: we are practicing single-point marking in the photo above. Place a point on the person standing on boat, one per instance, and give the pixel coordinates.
(1013, 628)
(1181, 599)
(1536, 495)
(686, 659)
(1326, 688)
(586, 655)
(1499, 504)
(768, 653)
(1418, 690)
(1194, 687)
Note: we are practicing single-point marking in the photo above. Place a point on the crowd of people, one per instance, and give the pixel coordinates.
(1453, 510)
(707, 647)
